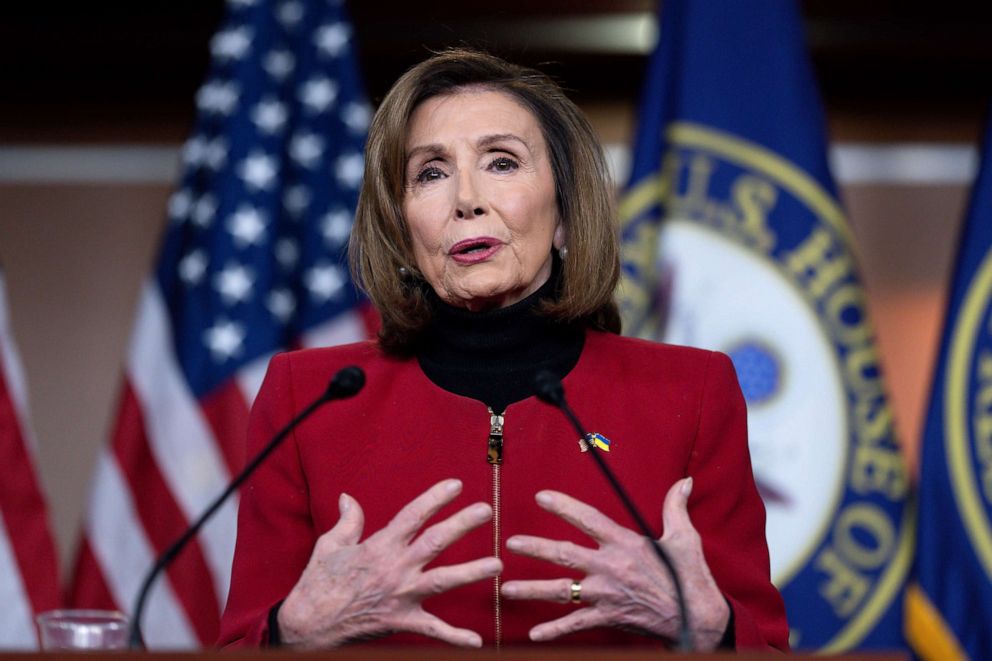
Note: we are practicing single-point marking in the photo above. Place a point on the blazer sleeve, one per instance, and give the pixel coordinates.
(728, 513)
(275, 530)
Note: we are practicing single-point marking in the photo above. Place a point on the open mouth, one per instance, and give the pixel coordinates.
(472, 246)
(475, 250)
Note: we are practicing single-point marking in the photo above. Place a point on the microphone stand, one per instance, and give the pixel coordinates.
(551, 391)
(345, 383)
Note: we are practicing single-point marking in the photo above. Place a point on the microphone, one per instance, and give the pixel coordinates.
(345, 383)
(550, 390)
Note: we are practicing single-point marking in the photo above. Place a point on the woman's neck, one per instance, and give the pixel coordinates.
(493, 356)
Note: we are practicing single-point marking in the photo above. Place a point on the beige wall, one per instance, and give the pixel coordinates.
(74, 258)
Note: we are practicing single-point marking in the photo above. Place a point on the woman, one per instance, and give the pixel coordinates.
(485, 237)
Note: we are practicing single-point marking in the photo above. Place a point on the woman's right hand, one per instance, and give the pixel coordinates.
(351, 591)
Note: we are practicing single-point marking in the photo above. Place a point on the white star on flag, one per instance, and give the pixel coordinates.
(231, 44)
(217, 97)
(215, 154)
(317, 94)
(324, 281)
(269, 115)
(180, 204)
(247, 226)
(192, 267)
(279, 64)
(296, 199)
(234, 283)
(204, 210)
(332, 39)
(289, 14)
(282, 304)
(356, 116)
(224, 339)
(306, 149)
(194, 151)
(349, 169)
(288, 253)
(336, 227)
(258, 171)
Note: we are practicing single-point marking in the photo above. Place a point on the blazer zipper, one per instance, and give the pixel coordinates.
(494, 455)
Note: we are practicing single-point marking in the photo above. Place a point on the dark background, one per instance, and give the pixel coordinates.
(127, 71)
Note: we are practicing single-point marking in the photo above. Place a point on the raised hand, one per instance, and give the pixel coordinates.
(624, 585)
(353, 591)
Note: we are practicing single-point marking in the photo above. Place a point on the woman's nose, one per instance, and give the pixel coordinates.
(470, 202)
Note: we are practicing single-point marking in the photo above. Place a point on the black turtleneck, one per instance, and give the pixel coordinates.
(493, 356)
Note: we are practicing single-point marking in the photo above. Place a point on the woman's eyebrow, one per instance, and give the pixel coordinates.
(490, 140)
(431, 150)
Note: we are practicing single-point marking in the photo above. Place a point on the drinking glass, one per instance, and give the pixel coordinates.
(72, 629)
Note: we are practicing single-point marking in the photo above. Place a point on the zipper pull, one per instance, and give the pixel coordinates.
(494, 453)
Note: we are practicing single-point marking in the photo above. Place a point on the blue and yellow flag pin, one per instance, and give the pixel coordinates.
(597, 440)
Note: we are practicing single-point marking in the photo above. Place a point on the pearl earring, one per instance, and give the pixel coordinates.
(563, 252)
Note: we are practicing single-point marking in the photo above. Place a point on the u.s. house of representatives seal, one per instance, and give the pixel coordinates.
(753, 259)
(968, 413)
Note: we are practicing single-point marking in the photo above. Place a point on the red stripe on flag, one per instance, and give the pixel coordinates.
(89, 589)
(370, 319)
(226, 412)
(163, 521)
(24, 511)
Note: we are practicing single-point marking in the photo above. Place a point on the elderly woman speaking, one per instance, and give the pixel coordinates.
(446, 501)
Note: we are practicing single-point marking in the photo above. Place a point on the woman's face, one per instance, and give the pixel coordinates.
(479, 199)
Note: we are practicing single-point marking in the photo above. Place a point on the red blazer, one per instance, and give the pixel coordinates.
(669, 412)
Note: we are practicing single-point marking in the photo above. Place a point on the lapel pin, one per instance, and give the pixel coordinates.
(595, 440)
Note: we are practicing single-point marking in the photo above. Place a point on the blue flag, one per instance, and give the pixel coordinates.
(949, 606)
(734, 240)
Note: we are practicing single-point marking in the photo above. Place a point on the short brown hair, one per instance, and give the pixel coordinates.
(380, 251)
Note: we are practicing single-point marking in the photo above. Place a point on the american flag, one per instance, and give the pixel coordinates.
(253, 262)
(29, 581)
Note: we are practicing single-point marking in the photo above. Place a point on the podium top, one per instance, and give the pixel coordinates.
(441, 654)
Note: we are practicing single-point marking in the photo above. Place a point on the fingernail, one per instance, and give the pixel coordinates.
(543, 498)
(344, 502)
(509, 590)
(494, 566)
(687, 486)
(473, 640)
(453, 486)
(536, 635)
(514, 544)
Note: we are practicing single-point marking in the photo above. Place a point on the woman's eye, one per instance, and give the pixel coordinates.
(503, 164)
(429, 174)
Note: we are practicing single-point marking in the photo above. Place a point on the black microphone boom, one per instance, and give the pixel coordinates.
(345, 383)
(550, 390)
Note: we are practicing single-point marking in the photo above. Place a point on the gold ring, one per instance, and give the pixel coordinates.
(575, 592)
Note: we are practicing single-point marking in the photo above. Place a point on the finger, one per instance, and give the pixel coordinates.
(565, 554)
(586, 518)
(348, 530)
(580, 620)
(443, 579)
(445, 533)
(675, 513)
(432, 626)
(415, 514)
(558, 589)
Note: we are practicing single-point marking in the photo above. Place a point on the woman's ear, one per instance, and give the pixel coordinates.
(559, 237)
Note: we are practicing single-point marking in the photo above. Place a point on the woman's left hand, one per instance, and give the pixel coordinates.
(625, 585)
